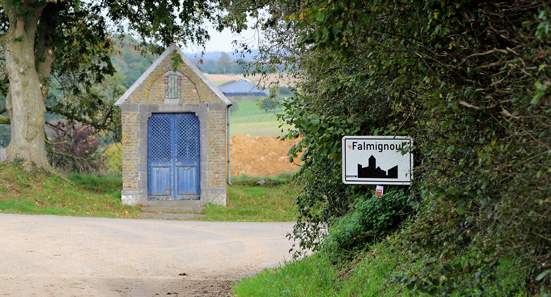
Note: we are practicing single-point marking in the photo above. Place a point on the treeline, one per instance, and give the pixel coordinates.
(132, 61)
(224, 64)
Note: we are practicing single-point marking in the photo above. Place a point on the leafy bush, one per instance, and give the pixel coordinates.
(73, 147)
(112, 157)
(369, 219)
(268, 104)
(470, 82)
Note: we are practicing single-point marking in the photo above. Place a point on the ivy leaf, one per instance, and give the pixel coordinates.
(543, 274)
(320, 16)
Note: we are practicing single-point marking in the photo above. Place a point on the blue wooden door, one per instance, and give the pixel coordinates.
(173, 156)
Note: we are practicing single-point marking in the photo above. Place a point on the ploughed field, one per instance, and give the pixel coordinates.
(261, 156)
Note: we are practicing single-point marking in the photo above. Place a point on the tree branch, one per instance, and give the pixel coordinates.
(475, 107)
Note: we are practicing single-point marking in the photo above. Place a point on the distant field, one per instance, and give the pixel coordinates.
(246, 117)
(250, 119)
(283, 79)
(217, 83)
(259, 129)
(214, 78)
(248, 111)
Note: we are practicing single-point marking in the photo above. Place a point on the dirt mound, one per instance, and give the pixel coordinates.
(261, 156)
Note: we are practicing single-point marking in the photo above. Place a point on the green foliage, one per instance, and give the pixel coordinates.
(268, 104)
(152, 21)
(219, 63)
(433, 278)
(469, 82)
(370, 219)
(69, 45)
(176, 60)
(130, 60)
(73, 147)
(112, 157)
(224, 64)
(5, 133)
(92, 105)
(285, 91)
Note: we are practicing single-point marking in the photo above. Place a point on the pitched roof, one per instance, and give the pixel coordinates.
(242, 87)
(188, 63)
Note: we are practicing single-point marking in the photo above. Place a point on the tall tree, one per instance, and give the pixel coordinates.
(71, 38)
(224, 63)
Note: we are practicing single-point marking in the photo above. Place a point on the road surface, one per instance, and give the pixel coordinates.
(76, 256)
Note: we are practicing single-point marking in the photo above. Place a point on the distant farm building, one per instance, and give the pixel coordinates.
(242, 88)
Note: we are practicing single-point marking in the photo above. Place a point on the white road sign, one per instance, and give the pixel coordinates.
(377, 160)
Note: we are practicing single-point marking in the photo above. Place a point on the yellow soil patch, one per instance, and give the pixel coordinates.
(281, 79)
(261, 156)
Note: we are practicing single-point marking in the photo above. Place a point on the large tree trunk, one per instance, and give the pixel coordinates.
(25, 100)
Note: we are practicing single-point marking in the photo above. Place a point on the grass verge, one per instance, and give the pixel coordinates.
(388, 268)
(372, 275)
(249, 202)
(40, 192)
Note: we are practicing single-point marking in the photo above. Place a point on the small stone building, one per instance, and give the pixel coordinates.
(174, 136)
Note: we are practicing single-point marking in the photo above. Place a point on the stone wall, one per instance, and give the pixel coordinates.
(148, 97)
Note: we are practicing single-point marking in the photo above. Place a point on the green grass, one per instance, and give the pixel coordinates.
(315, 276)
(250, 112)
(261, 117)
(250, 119)
(258, 129)
(312, 276)
(95, 184)
(248, 202)
(219, 82)
(39, 192)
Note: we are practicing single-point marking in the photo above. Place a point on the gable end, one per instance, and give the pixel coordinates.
(187, 63)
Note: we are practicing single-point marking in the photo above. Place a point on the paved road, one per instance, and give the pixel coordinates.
(73, 256)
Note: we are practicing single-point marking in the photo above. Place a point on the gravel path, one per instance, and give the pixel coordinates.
(74, 256)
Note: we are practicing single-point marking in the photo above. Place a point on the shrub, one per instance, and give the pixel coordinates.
(470, 82)
(112, 157)
(73, 147)
(369, 219)
(268, 104)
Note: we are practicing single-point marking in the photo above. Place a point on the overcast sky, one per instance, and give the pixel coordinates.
(222, 41)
